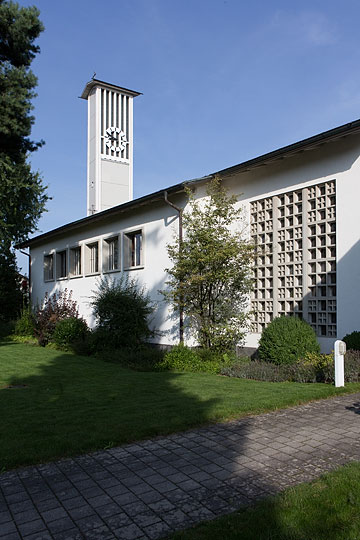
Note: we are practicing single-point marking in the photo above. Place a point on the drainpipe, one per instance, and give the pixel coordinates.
(28, 255)
(181, 311)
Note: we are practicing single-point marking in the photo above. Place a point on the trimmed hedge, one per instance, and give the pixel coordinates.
(286, 340)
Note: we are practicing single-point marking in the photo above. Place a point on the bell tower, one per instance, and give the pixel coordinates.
(110, 145)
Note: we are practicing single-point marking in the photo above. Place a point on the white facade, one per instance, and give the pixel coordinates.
(335, 162)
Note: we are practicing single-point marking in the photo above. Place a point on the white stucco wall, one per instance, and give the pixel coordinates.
(337, 160)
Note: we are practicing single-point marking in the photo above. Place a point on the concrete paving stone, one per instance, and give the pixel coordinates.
(135, 508)
(31, 527)
(43, 535)
(75, 502)
(89, 523)
(7, 528)
(138, 489)
(25, 506)
(130, 532)
(144, 519)
(132, 480)
(189, 469)
(24, 517)
(126, 498)
(91, 492)
(100, 500)
(60, 525)
(81, 512)
(165, 487)
(117, 521)
(164, 505)
(5, 516)
(157, 530)
(67, 494)
(150, 496)
(53, 514)
(108, 510)
(70, 534)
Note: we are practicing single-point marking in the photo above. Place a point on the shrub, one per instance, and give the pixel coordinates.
(25, 324)
(286, 340)
(54, 308)
(69, 331)
(352, 341)
(122, 310)
(143, 358)
(182, 358)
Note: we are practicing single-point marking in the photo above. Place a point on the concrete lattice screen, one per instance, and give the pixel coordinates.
(295, 272)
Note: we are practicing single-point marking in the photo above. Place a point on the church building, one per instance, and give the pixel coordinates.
(301, 202)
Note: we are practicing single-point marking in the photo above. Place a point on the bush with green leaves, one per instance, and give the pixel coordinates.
(122, 310)
(182, 358)
(286, 340)
(54, 308)
(25, 324)
(352, 341)
(69, 331)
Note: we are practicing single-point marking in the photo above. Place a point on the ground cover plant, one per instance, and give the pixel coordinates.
(55, 404)
(314, 367)
(327, 509)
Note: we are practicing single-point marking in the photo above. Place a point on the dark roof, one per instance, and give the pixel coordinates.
(109, 86)
(291, 149)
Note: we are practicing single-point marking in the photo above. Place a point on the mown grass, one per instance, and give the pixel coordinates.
(71, 404)
(327, 509)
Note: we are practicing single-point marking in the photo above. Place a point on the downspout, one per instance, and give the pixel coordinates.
(28, 255)
(181, 311)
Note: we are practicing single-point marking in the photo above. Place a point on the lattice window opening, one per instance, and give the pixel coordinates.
(318, 237)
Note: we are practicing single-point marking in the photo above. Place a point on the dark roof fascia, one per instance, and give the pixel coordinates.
(105, 214)
(305, 144)
(96, 82)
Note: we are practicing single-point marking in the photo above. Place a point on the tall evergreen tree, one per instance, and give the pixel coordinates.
(22, 193)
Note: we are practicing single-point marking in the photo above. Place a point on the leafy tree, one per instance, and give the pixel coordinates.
(210, 277)
(22, 194)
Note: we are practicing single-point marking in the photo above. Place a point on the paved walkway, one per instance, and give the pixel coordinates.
(149, 489)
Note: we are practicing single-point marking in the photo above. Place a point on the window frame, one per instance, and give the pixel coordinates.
(59, 253)
(105, 253)
(48, 255)
(128, 235)
(72, 249)
(87, 258)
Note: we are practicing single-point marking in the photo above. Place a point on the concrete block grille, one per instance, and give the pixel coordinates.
(295, 269)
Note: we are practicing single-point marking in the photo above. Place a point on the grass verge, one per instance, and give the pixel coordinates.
(327, 509)
(55, 404)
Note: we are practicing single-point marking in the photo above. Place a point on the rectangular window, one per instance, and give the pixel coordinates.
(111, 254)
(48, 267)
(92, 258)
(75, 261)
(133, 249)
(61, 264)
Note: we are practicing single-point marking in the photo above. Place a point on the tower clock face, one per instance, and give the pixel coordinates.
(115, 139)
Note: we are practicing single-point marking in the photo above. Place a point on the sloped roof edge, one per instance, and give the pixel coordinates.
(291, 149)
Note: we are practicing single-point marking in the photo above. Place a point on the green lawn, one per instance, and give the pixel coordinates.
(74, 404)
(327, 509)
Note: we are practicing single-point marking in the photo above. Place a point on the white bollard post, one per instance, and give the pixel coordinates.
(339, 351)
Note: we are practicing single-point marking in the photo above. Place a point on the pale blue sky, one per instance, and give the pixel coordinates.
(223, 81)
